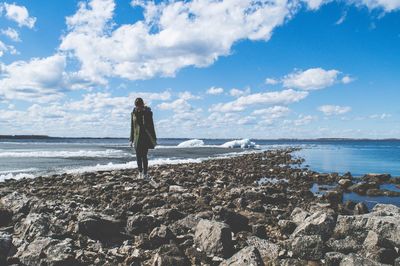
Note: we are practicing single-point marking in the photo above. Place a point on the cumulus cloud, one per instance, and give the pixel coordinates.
(315, 4)
(271, 81)
(334, 109)
(312, 79)
(270, 98)
(172, 35)
(385, 5)
(215, 91)
(272, 112)
(238, 93)
(19, 14)
(6, 49)
(40, 79)
(11, 33)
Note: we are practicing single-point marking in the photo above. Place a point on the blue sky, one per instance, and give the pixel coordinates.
(207, 68)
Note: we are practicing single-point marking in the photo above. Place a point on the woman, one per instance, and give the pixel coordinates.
(143, 136)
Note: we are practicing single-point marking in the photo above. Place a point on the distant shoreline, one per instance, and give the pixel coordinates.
(279, 139)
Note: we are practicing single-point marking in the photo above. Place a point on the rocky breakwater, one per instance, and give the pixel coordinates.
(254, 209)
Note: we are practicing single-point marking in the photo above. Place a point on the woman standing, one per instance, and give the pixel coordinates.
(143, 136)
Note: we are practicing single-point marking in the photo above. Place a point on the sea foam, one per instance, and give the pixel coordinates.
(110, 153)
(242, 143)
(191, 143)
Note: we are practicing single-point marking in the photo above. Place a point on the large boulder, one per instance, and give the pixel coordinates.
(383, 220)
(298, 215)
(140, 224)
(169, 255)
(308, 247)
(320, 223)
(246, 256)
(32, 226)
(98, 226)
(269, 251)
(377, 178)
(236, 221)
(160, 236)
(214, 238)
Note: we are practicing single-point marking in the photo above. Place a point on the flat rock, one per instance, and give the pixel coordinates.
(269, 251)
(98, 226)
(354, 259)
(309, 247)
(319, 223)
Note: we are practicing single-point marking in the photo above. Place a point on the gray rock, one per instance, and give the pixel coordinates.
(269, 251)
(354, 259)
(360, 208)
(169, 255)
(383, 220)
(298, 215)
(5, 216)
(319, 223)
(236, 221)
(160, 236)
(310, 247)
(214, 238)
(140, 224)
(345, 183)
(61, 253)
(246, 256)
(346, 245)
(333, 258)
(32, 226)
(5, 246)
(397, 262)
(98, 226)
(15, 202)
(286, 226)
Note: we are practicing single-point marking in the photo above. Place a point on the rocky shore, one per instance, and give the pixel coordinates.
(254, 209)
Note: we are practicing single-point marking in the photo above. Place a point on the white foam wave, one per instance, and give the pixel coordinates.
(109, 153)
(27, 170)
(191, 143)
(242, 143)
(15, 176)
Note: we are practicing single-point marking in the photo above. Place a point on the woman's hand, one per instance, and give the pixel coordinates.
(130, 143)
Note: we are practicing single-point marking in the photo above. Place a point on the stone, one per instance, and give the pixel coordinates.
(319, 223)
(5, 246)
(345, 183)
(5, 216)
(360, 208)
(236, 221)
(61, 253)
(333, 197)
(15, 202)
(333, 258)
(298, 215)
(377, 178)
(345, 245)
(169, 255)
(32, 226)
(214, 238)
(354, 259)
(246, 256)
(140, 224)
(309, 247)
(269, 251)
(98, 226)
(286, 226)
(160, 236)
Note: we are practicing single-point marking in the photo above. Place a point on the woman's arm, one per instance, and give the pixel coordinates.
(152, 130)
(132, 135)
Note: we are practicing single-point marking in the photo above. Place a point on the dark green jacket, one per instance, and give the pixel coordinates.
(142, 128)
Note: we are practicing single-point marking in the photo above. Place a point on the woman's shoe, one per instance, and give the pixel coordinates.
(140, 175)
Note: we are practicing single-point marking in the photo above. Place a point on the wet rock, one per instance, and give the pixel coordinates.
(169, 255)
(354, 259)
(269, 251)
(214, 238)
(319, 223)
(246, 256)
(309, 247)
(98, 226)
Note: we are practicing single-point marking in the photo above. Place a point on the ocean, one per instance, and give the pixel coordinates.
(33, 157)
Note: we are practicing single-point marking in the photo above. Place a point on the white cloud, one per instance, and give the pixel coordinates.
(11, 33)
(172, 35)
(271, 81)
(215, 91)
(347, 79)
(19, 14)
(315, 4)
(311, 79)
(40, 79)
(270, 98)
(385, 5)
(380, 116)
(334, 109)
(272, 112)
(238, 93)
(6, 49)
(187, 95)
(303, 120)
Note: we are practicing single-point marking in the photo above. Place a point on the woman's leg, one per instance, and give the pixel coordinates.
(139, 159)
(145, 161)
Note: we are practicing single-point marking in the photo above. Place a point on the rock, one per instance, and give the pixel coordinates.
(345, 183)
(5, 216)
(236, 221)
(333, 258)
(397, 262)
(177, 189)
(32, 253)
(61, 253)
(383, 220)
(15, 202)
(32, 226)
(309, 247)
(246, 256)
(214, 238)
(298, 215)
(346, 245)
(169, 255)
(292, 262)
(360, 208)
(286, 226)
(259, 230)
(269, 251)
(378, 249)
(354, 259)
(377, 178)
(333, 197)
(160, 236)
(98, 226)
(362, 187)
(5, 246)
(140, 224)
(319, 223)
